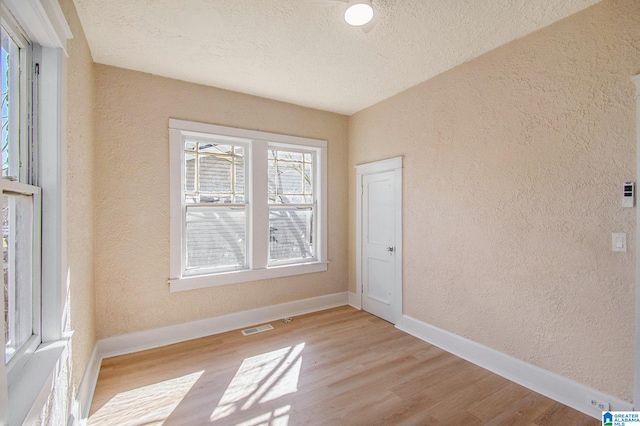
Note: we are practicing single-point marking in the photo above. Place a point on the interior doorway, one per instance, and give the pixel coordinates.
(379, 238)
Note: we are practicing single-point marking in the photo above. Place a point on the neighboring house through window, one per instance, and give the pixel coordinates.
(245, 205)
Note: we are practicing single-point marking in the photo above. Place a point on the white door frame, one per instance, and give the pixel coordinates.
(636, 374)
(389, 165)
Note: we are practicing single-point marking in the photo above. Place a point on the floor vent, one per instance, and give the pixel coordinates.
(259, 329)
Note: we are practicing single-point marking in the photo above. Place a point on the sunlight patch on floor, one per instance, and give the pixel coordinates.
(279, 417)
(147, 405)
(262, 378)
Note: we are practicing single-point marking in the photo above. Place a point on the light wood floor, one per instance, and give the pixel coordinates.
(336, 367)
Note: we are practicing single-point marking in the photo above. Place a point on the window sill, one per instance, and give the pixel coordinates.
(236, 277)
(30, 385)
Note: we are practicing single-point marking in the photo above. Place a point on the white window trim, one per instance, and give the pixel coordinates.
(177, 281)
(26, 387)
(43, 21)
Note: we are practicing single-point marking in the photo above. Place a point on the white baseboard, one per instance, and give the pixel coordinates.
(157, 337)
(82, 404)
(354, 300)
(551, 385)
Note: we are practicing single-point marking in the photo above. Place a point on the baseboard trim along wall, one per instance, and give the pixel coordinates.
(551, 385)
(354, 300)
(82, 404)
(157, 337)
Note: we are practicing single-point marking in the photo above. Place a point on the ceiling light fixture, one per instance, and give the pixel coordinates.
(359, 12)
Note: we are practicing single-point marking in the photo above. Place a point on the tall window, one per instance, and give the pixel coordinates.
(246, 205)
(215, 209)
(291, 206)
(33, 36)
(20, 202)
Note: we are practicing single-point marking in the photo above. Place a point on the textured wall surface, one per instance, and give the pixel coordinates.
(132, 199)
(80, 308)
(514, 165)
(80, 200)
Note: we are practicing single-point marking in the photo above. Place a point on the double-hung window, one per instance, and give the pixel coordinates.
(20, 200)
(292, 210)
(215, 212)
(245, 205)
(33, 38)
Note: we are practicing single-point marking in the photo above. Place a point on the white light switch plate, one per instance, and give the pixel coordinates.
(619, 241)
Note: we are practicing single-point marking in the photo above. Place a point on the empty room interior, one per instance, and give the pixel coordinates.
(273, 212)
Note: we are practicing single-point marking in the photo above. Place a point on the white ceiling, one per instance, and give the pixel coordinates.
(301, 51)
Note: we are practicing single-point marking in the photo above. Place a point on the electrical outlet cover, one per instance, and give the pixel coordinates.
(598, 404)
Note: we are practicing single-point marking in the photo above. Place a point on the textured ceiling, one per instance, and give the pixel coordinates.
(302, 51)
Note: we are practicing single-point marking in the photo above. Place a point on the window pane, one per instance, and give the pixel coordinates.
(216, 238)
(271, 181)
(215, 148)
(298, 199)
(214, 174)
(290, 177)
(189, 172)
(308, 173)
(286, 155)
(17, 230)
(6, 60)
(290, 233)
(239, 175)
(10, 105)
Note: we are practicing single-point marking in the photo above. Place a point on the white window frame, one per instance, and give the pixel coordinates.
(284, 206)
(257, 230)
(26, 383)
(21, 180)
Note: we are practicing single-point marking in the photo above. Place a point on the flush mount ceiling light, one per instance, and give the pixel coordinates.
(359, 12)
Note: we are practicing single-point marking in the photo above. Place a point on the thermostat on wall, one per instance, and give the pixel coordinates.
(629, 194)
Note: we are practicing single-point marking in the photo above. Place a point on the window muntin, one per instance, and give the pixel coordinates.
(215, 210)
(292, 211)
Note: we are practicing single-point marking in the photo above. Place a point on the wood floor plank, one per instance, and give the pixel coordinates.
(338, 367)
(438, 370)
(524, 411)
(461, 400)
(561, 414)
(498, 402)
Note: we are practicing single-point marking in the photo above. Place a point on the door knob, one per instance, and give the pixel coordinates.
(391, 249)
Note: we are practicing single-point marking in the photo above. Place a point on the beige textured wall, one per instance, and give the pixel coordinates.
(514, 164)
(80, 309)
(132, 199)
(80, 200)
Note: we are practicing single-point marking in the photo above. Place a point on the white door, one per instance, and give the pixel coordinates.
(379, 260)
